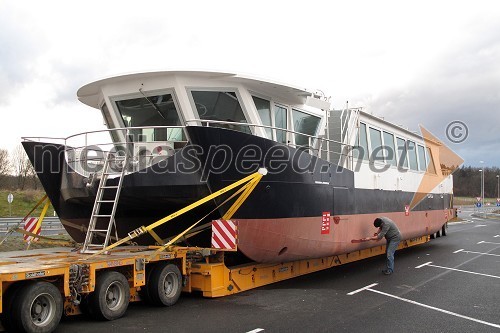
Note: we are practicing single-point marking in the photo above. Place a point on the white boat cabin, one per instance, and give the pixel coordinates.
(153, 108)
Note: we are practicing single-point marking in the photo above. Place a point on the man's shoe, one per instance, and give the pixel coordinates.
(387, 272)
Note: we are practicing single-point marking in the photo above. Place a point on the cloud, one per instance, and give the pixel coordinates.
(463, 84)
(422, 63)
(19, 45)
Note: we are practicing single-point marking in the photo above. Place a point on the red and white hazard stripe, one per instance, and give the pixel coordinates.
(31, 225)
(224, 235)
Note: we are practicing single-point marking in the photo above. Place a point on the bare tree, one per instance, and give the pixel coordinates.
(23, 169)
(4, 165)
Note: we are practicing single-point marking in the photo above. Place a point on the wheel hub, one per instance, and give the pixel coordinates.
(42, 309)
(114, 295)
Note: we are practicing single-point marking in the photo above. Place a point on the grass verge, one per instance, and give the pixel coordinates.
(23, 202)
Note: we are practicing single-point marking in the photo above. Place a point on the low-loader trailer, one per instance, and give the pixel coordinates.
(37, 287)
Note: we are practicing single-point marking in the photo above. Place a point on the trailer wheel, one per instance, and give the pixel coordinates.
(8, 301)
(38, 307)
(144, 292)
(165, 285)
(111, 296)
(444, 232)
(438, 233)
(432, 236)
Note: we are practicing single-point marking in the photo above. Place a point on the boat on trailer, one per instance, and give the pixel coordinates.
(187, 134)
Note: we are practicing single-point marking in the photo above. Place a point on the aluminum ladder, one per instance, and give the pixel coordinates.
(119, 168)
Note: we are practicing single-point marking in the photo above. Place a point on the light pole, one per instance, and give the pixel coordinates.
(482, 185)
(498, 187)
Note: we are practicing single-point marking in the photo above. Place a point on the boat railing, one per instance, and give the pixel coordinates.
(85, 152)
(44, 139)
(318, 145)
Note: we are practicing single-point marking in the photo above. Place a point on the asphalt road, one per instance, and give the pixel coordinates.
(456, 292)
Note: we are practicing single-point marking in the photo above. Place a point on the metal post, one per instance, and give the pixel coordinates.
(498, 186)
(328, 135)
(482, 188)
(482, 185)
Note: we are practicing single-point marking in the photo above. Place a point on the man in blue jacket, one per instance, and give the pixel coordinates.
(389, 230)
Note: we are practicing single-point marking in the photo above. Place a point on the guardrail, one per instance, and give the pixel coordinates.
(48, 224)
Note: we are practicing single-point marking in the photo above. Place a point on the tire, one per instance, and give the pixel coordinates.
(8, 300)
(444, 231)
(85, 305)
(438, 233)
(432, 236)
(144, 292)
(165, 285)
(38, 307)
(111, 296)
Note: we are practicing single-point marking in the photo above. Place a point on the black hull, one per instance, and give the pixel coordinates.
(146, 196)
(298, 184)
(282, 220)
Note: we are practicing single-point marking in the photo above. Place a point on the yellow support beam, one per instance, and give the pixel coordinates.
(237, 204)
(245, 189)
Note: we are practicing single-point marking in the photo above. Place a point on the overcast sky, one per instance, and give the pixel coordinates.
(418, 62)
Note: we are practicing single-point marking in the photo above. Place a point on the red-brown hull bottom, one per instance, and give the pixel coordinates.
(288, 239)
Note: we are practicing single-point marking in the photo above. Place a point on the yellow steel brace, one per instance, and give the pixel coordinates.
(251, 181)
(36, 206)
(236, 205)
(195, 231)
(40, 220)
(31, 211)
(245, 193)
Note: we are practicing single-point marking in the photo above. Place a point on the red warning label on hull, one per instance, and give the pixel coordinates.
(325, 223)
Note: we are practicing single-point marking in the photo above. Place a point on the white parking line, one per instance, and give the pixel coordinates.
(427, 263)
(486, 254)
(368, 288)
(496, 236)
(359, 290)
(483, 242)
(457, 270)
(256, 330)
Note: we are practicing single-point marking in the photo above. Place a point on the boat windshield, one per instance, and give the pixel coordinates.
(222, 106)
(156, 110)
(304, 123)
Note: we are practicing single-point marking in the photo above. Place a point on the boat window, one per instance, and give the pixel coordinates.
(421, 158)
(280, 120)
(403, 158)
(361, 151)
(220, 106)
(156, 111)
(412, 153)
(390, 151)
(430, 162)
(264, 110)
(304, 123)
(377, 153)
(109, 122)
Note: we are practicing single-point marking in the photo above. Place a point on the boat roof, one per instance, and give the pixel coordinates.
(89, 93)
